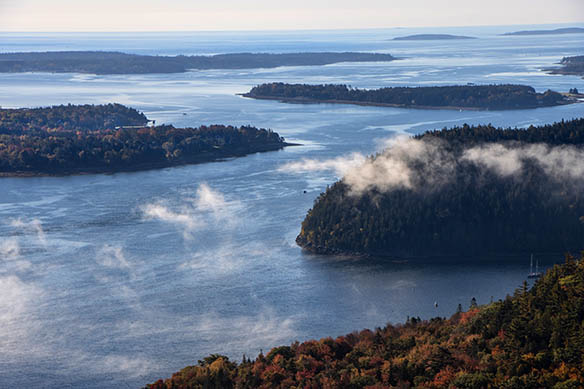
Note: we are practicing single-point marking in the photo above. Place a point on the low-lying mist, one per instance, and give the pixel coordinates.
(430, 163)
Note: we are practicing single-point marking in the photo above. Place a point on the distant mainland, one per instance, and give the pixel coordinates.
(431, 37)
(101, 62)
(557, 31)
(86, 139)
(469, 97)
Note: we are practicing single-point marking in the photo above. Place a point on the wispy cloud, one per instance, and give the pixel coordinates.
(339, 165)
(559, 162)
(264, 328)
(195, 214)
(183, 219)
(18, 323)
(11, 259)
(33, 225)
(390, 169)
(427, 164)
(112, 257)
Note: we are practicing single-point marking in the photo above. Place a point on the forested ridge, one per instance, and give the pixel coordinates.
(102, 62)
(495, 97)
(63, 118)
(108, 138)
(471, 190)
(533, 339)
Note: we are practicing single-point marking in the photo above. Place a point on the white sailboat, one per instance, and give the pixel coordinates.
(536, 273)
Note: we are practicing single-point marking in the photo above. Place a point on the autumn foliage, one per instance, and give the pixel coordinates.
(533, 339)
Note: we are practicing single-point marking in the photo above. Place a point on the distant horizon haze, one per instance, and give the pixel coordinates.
(262, 15)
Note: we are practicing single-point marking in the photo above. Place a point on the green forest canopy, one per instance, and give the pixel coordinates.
(496, 97)
(471, 190)
(108, 138)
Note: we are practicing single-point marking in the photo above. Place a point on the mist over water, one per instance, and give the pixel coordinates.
(121, 279)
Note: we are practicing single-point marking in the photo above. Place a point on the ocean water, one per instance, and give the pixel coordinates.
(117, 280)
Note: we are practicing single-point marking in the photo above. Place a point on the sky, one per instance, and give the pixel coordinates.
(197, 15)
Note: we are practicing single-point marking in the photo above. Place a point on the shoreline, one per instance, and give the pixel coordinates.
(306, 100)
(143, 166)
(401, 258)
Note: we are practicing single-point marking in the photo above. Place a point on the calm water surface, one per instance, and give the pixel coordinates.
(115, 280)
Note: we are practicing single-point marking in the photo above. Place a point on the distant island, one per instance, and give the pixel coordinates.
(431, 37)
(475, 97)
(465, 191)
(573, 66)
(100, 62)
(82, 139)
(532, 339)
(558, 31)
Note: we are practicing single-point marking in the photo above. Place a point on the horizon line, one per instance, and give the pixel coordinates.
(577, 24)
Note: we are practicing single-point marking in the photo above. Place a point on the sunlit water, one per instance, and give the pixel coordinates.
(120, 279)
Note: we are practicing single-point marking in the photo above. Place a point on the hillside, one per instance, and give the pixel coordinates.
(66, 118)
(101, 62)
(463, 191)
(476, 97)
(534, 339)
(110, 138)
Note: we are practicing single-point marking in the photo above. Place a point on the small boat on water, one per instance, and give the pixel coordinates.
(536, 273)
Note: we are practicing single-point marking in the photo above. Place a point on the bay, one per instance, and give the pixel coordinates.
(117, 280)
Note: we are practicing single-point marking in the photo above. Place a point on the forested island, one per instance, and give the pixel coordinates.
(533, 339)
(557, 31)
(466, 191)
(573, 66)
(431, 37)
(476, 97)
(75, 139)
(100, 62)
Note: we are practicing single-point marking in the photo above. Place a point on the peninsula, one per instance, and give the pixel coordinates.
(84, 139)
(101, 62)
(463, 191)
(471, 97)
(431, 37)
(572, 66)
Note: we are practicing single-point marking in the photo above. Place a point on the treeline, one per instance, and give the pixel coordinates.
(61, 118)
(570, 66)
(496, 97)
(85, 139)
(468, 210)
(570, 132)
(534, 339)
(98, 62)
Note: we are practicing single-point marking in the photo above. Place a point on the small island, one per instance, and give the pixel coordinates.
(84, 139)
(557, 31)
(471, 97)
(432, 37)
(532, 339)
(465, 191)
(571, 66)
(100, 62)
